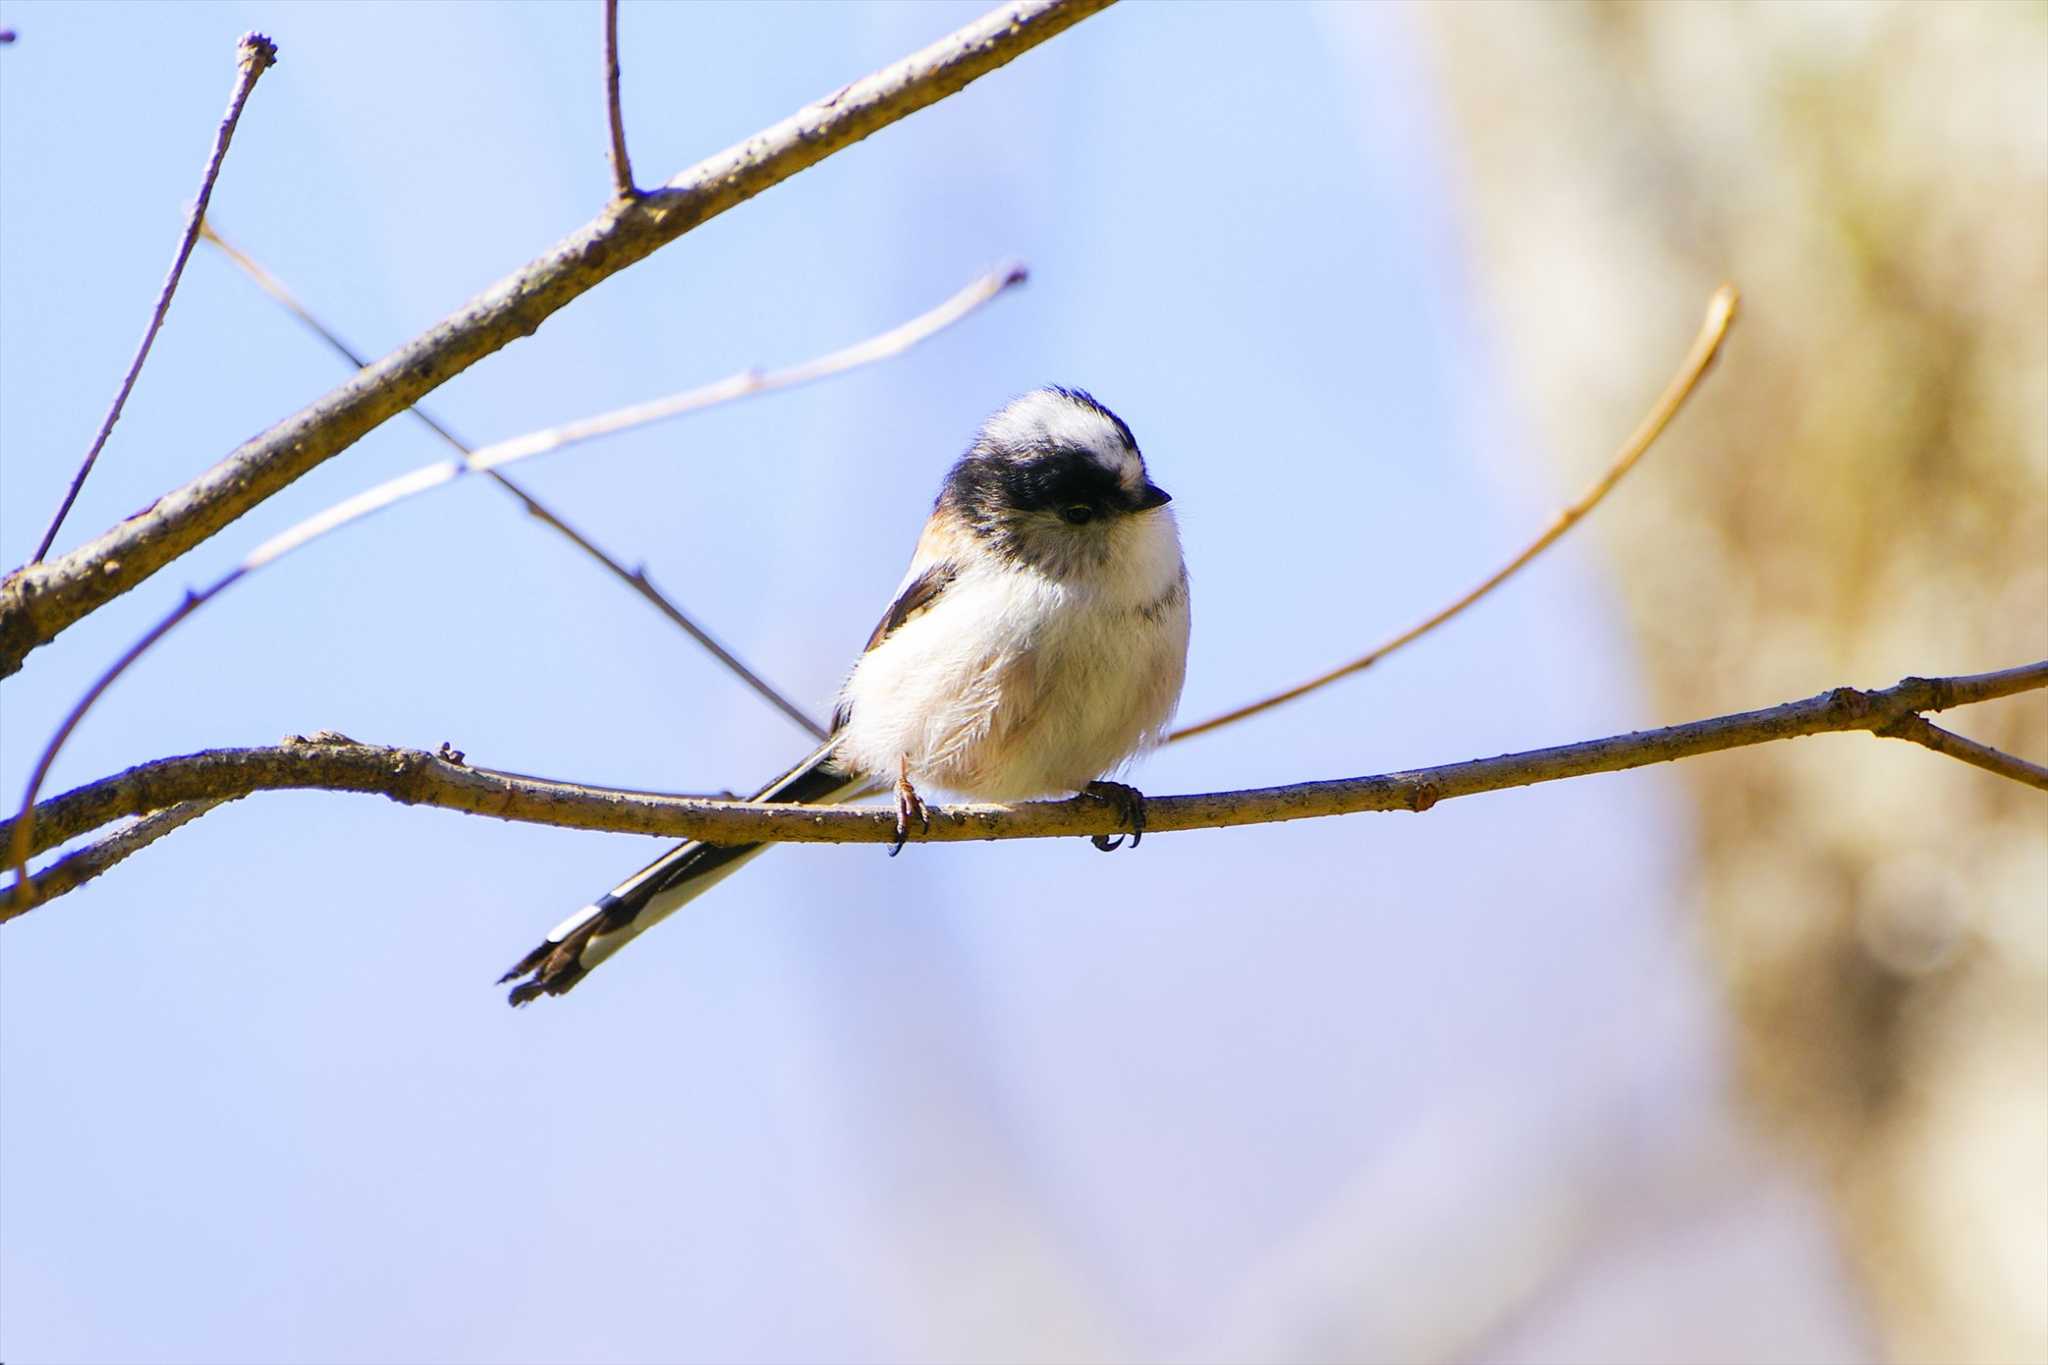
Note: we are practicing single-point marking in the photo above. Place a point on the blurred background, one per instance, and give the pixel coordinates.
(1743, 1059)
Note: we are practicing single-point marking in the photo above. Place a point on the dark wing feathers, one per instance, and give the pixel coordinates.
(916, 598)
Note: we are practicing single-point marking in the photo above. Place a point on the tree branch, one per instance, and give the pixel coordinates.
(415, 777)
(1706, 346)
(253, 56)
(40, 601)
(1921, 731)
(622, 167)
(74, 870)
(636, 579)
(393, 491)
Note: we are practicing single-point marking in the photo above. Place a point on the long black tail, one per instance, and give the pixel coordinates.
(576, 945)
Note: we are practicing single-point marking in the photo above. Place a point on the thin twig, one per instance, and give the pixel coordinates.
(41, 601)
(253, 56)
(622, 169)
(1922, 731)
(636, 579)
(282, 295)
(74, 870)
(1720, 314)
(415, 777)
(748, 382)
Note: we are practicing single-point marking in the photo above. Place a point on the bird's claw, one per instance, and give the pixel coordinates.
(1129, 803)
(909, 805)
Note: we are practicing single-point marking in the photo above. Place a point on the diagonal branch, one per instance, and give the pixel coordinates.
(40, 601)
(1922, 731)
(77, 868)
(636, 579)
(253, 56)
(1705, 347)
(416, 777)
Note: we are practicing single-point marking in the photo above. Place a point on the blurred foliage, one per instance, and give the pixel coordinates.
(1860, 493)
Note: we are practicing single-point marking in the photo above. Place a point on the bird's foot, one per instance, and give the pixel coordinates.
(1129, 803)
(909, 806)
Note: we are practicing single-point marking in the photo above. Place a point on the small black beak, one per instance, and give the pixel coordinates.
(1149, 497)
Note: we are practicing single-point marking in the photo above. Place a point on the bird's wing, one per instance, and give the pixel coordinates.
(933, 565)
(928, 578)
(916, 597)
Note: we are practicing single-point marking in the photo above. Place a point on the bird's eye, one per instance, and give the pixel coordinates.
(1077, 513)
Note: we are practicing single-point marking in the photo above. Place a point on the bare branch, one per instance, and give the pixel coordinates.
(38, 602)
(253, 56)
(636, 579)
(394, 491)
(74, 870)
(1706, 345)
(622, 168)
(282, 295)
(416, 777)
(1921, 731)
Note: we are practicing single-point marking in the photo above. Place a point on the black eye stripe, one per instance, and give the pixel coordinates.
(1063, 479)
(985, 485)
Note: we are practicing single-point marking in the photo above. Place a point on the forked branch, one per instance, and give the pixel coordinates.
(1920, 730)
(488, 460)
(40, 601)
(635, 578)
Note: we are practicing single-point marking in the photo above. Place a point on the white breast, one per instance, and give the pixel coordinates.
(1016, 685)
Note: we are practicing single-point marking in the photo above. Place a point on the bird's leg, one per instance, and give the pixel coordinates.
(1129, 803)
(908, 805)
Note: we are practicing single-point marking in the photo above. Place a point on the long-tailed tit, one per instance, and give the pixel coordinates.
(1038, 641)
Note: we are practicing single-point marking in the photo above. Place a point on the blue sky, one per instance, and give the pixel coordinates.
(261, 1101)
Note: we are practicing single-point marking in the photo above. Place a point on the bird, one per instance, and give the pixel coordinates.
(1037, 643)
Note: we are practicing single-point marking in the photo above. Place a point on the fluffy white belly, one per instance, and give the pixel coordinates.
(1015, 686)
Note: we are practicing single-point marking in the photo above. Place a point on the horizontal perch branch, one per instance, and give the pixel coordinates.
(416, 777)
(40, 601)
